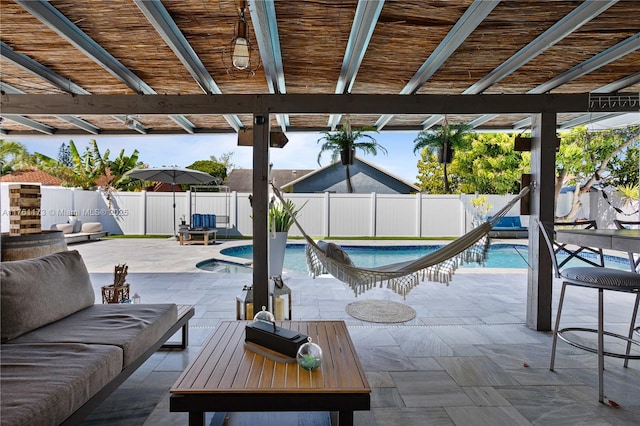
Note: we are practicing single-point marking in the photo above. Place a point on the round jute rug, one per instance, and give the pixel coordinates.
(384, 311)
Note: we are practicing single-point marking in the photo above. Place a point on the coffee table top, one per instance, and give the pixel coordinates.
(226, 366)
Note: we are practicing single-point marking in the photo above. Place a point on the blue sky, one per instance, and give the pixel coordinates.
(301, 152)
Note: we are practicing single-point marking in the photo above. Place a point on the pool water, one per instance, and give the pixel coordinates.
(500, 256)
(214, 265)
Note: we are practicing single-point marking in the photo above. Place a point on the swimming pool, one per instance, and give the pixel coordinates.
(500, 256)
(214, 265)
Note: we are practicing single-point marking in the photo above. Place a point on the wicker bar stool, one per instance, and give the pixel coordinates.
(635, 267)
(599, 278)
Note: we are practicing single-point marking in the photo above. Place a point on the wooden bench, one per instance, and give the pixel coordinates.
(84, 236)
(205, 236)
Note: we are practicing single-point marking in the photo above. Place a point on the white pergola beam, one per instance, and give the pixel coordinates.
(265, 24)
(78, 122)
(159, 17)
(629, 45)
(32, 124)
(51, 17)
(472, 17)
(364, 22)
(578, 17)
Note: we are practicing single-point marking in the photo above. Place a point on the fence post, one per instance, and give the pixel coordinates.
(327, 210)
(372, 228)
(418, 215)
(143, 216)
(233, 211)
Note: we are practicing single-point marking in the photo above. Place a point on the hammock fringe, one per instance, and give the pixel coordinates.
(361, 280)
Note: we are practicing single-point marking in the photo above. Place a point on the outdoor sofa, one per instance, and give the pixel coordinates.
(62, 354)
(87, 231)
(509, 227)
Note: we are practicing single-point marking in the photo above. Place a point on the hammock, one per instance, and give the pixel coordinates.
(401, 277)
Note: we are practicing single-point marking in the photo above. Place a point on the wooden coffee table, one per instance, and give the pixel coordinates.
(227, 376)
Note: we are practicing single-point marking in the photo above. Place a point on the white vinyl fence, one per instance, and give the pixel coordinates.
(323, 215)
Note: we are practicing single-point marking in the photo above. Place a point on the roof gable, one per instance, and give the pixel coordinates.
(332, 178)
(241, 180)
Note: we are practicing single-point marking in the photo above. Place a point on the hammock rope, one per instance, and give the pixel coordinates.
(401, 277)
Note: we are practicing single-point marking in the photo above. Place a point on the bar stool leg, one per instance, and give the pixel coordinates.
(557, 327)
(600, 345)
(632, 329)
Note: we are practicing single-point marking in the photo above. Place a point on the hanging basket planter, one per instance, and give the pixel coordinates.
(445, 155)
(347, 156)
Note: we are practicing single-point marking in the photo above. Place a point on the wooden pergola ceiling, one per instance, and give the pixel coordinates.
(399, 48)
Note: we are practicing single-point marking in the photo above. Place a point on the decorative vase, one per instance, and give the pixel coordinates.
(73, 221)
(309, 356)
(277, 246)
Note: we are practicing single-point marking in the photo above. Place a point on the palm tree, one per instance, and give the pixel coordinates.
(444, 141)
(344, 143)
(14, 156)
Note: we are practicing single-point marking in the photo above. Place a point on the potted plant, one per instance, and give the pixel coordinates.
(481, 209)
(280, 221)
(629, 195)
(344, 142)
(444, 141)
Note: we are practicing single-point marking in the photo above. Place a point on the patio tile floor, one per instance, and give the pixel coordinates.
(468, 357)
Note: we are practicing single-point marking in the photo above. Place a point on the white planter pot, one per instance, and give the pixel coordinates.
(277, 246)
(75, 223)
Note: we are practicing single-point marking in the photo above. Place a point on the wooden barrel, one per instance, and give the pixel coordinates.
(28, 246)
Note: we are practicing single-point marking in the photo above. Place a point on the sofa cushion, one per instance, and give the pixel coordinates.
(66, 228)
(92, 227)
(508, 222)
(132, 327)
(44, 383)
(36, 292)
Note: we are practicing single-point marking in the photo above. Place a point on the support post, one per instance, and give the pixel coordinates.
(260, 209)
(540, 277)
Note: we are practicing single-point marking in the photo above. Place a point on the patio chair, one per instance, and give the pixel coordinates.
(623, 224)
(599, 278)
(579, 252)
